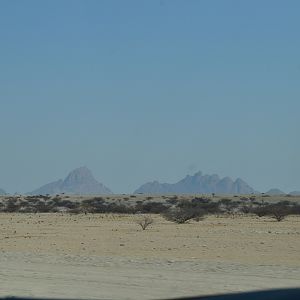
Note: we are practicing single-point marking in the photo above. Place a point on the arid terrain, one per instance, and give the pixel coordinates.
(95, 256)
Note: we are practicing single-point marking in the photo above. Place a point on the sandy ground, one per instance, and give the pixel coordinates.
(110, 257)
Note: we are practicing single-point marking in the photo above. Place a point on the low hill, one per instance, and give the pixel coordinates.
(275, 192)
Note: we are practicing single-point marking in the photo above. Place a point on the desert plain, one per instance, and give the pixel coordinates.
(109, 256)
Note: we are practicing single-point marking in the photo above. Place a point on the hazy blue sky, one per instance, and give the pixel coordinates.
(144, 90)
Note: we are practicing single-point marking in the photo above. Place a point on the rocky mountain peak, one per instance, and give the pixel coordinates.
(198, 183)
(79, 181)
(80, 175)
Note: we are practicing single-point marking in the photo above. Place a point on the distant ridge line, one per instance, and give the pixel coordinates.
(198, 183)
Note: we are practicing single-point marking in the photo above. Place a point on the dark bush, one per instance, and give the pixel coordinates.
(95, 205)
(119, 209)
(32, 199)
(151, 207)
(285, 203)
(42, 207)
(11, 205)
(201, 200)
(279, 211)
(225, 201)
(230, 206)
(295, 209)
(172, 201)
(260, 211)
(204, 204)
(246, 209)
(181, 215)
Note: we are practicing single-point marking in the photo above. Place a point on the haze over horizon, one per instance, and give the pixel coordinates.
(149, 90)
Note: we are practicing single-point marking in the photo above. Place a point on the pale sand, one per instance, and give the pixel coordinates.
(97, 256)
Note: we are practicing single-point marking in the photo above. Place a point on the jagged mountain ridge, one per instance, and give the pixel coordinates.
(79, 181)
(198, 183)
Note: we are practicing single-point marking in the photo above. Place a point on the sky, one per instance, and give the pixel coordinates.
(149, 90)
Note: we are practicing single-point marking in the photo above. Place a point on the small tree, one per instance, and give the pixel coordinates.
(181, 215)
(278, 212)
(260, 211)
(145, 221)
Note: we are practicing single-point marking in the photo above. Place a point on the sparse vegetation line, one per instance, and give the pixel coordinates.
(178, 209)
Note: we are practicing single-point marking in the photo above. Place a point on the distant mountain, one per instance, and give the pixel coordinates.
(198, 184)
(275, 192)
(2, 192)
(295, 193)
(80, 181)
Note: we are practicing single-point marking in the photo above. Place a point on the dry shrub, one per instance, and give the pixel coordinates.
(276, 211)
(145, 221)
(181, 215)
(279, 212)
